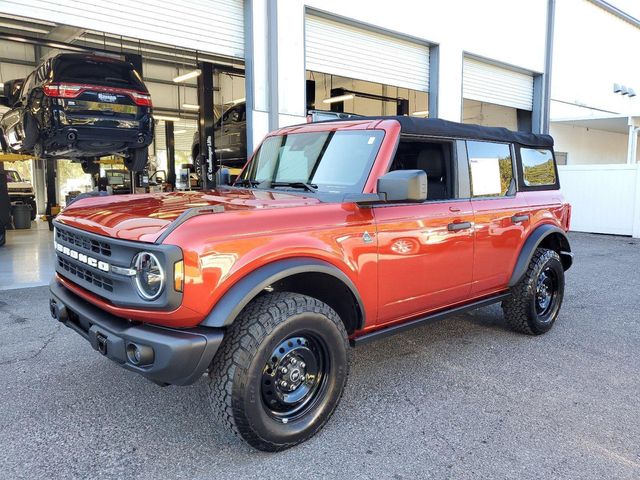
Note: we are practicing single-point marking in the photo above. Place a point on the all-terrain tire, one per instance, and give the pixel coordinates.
(236, 381)
(524, 311)
(137, 159)
(90, 165)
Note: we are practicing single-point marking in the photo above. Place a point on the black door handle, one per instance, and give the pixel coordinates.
(519, 218)
(454, 227)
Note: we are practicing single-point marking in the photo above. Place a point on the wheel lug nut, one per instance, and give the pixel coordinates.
(293, 361)
(302, 365)
(284, 370)
(284, 384)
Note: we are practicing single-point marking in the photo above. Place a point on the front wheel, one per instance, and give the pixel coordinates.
(281, 370)
(535, 301)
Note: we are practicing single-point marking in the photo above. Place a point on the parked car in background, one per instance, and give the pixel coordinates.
(21, 191)
(229, 138)
(81, 107)
(336, 233)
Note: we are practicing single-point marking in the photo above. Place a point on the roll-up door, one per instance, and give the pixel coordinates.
(490, 83)
(212, 26)
(348, 51)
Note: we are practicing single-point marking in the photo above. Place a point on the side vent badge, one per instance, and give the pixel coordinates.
(366, 238)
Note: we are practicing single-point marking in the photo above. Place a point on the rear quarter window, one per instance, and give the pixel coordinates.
(538, 167)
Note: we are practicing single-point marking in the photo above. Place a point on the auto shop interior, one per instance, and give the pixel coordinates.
(194, 92)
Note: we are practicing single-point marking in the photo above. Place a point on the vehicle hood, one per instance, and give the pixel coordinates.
(19, 186)
(145, 217)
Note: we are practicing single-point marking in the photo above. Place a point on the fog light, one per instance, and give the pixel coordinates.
(139, 355)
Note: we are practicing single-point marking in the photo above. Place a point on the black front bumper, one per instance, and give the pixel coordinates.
(179, 357)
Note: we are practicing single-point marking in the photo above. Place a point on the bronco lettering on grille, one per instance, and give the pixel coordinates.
(81, 257)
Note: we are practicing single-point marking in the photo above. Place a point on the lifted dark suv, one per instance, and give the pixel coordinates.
(82, 107)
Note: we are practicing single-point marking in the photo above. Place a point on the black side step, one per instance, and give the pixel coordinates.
(398, 328)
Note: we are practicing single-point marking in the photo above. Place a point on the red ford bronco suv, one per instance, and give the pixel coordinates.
(336, 233)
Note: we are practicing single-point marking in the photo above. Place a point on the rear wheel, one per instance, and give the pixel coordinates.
(535, 301)
(90, 165)
(136, 161)
(281, 370)
(34, 209)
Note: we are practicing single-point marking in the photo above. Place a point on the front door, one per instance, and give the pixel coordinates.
(425, 251)
(425, 257)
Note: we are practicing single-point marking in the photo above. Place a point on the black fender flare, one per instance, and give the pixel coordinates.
(528, 249)
(227, 309)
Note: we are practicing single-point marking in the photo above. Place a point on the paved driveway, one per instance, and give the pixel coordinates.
(464, 398)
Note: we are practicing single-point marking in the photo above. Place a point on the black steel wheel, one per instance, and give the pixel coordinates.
(536, 300)
(281, 370)
(295, 376)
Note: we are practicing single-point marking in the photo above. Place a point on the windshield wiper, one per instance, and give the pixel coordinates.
(307, 186)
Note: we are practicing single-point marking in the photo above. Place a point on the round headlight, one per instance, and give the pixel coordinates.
(149, 275)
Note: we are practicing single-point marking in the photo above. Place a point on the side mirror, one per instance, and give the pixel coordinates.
(403, 186)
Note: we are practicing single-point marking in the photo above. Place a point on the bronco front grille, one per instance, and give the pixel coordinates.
(84, 242)
(94, 278)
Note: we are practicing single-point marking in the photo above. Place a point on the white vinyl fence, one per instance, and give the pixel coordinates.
(604, 198)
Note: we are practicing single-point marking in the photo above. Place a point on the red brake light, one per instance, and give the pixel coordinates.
(73, 90)
(63, 90)
(142, 99)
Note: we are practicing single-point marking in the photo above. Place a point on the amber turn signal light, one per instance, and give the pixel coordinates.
(178, 276)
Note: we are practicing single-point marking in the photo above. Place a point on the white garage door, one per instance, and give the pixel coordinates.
(490, 83)
(340, 49)
(212, 26)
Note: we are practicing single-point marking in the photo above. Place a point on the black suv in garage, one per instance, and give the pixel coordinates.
(81, 107)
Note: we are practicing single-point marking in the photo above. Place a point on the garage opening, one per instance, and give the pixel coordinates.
(495, 96)
(356, 70)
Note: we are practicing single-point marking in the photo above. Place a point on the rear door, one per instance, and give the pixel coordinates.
(425, 251)
(501, 215)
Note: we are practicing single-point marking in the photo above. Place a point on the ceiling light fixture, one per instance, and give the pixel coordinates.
(178, 132)
(421, 113)
(190, 106)
(187, 76)
(339, 98)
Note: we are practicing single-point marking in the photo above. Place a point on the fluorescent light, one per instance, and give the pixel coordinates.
(339, 98)
(178, 132)
(1, 85)
(187, 76)
(24, 28)
(190, 106)
(167, 118)
(422, 113)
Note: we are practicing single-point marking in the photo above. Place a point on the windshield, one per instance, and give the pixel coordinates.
(12, 176)
(331, 162)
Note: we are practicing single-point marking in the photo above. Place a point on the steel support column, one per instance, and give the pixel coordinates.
(206, 125)
(171, 153)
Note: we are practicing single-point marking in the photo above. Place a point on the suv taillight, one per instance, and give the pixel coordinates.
(73, 90)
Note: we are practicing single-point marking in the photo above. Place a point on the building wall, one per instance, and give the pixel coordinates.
(588, 145)
(485, 29)
(593, 49)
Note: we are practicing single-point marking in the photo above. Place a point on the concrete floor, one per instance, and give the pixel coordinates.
(27, 258)
(461, 399)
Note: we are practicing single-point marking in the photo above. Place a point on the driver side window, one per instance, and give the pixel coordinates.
(435, 158)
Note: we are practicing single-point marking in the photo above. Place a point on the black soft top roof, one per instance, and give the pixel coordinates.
(443, 128)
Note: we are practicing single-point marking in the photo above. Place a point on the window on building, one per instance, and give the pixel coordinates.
(490, 169)
(435, 158)
(561, 158)
(537, 167)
